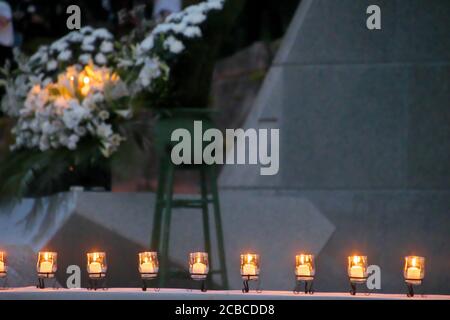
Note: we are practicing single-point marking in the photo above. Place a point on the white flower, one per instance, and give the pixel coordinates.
(192, 32)
(72, 142)
(104, 130)
(59, 45)
(194, 18)
(149, 72)
(89, 40)
(65, 55)
(148, 43)
(103, 115)
(215, 4)
(100, 59)
(87, 47)
(73, 115)
(162, 28)
(80, 131)
(44, 144)
(86, 30)
(102, 33)
(85, 58)
(75, 36)
(106, 47)
(174, 45)
(52, 65)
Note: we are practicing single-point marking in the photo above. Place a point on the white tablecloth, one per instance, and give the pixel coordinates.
(31, 293)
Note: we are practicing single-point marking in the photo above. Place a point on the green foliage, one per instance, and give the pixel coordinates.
(35, 173)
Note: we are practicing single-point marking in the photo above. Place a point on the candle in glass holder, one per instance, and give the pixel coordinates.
(2, 263)
(414, 268)
(250, 265)
(304, 266)
(47, 262)
(198, 265)
(148, 263)
(357, 267)
(96, 263)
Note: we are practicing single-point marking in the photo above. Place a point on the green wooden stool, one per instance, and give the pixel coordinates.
(165, 200)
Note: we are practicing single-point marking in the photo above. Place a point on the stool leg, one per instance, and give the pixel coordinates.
(206, 231)
(218, 221)
(164, 248)
(159, 206)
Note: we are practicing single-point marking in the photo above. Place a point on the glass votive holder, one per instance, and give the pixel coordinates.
(47, 264)
(357, 269)
(304, 267)
(3, 265)
(199, 265)
(250, 266)
(414, 270)
(96, 264)
(148, 265)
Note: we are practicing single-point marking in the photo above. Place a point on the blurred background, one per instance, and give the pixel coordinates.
(364, 143)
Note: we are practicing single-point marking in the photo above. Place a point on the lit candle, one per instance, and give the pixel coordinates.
(249, 265)
(46, 261)
(303, 270)
(2, 267)
(86, 87)
(148, 264)
(95, 267)
(199, 265)
(199, 268)
(304, 265)
(414, 267)
(46, 267)
(96, 262)
(357, 266)
(357, 272)
(249, 270)
(147, 267)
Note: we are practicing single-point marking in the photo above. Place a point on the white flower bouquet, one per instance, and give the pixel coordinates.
(72, 98)
(81, 103)
(147, 65)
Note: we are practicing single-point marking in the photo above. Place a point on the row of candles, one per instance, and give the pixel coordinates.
(414, 268)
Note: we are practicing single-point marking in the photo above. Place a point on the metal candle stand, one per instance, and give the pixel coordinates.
(200, 278)
(146, 278)
(42, 277)
(354, 282)
(410, 286)
(247, 279)
(97, 281)
(309, 281)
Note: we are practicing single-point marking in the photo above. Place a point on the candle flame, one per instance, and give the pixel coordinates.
(356, 259)
(414, 262)
(249, 258)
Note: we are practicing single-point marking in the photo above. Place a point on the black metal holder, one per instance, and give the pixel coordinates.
(246, 280)
(42, 277)
(97, 281)
(202, 279)
(146, 278)
(354, 282)
(410, 287)
(309, 281)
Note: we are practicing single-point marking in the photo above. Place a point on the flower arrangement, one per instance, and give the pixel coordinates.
(79, 103)
(149, 62)
(71, 98)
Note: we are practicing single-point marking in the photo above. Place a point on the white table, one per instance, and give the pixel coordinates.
(31, 293)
